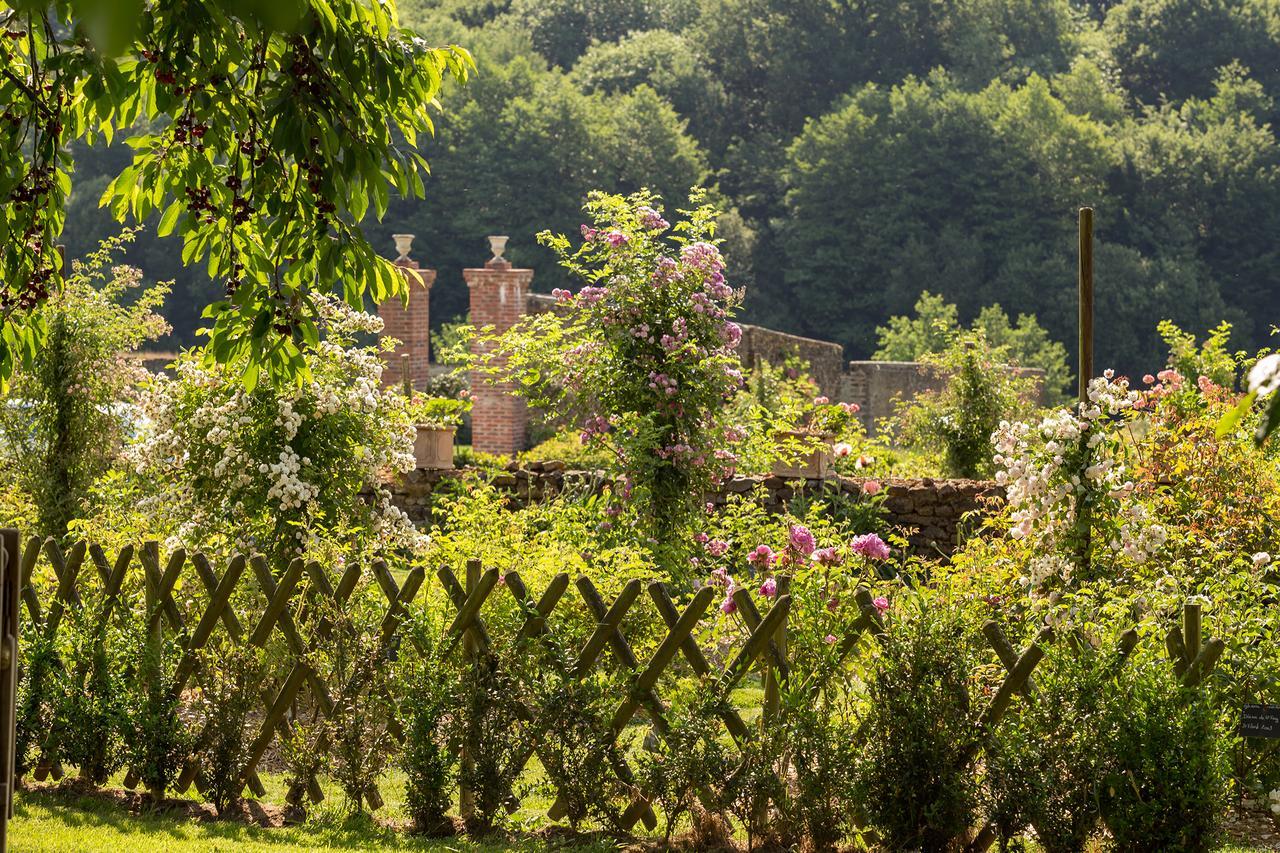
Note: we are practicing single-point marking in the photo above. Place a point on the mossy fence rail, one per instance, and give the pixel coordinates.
(289, 605)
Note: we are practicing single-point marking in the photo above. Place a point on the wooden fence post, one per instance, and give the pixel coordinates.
(10, 593)
(467, 761)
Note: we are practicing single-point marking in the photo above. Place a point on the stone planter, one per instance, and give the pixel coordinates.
(433, 446)
(810, 466)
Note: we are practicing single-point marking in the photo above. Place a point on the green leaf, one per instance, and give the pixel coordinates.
(169, 219)
(1231, 420)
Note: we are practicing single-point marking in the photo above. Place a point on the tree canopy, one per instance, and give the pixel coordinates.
(260, 133)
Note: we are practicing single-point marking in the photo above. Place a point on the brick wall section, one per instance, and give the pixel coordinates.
(499, 421)
(930, 511)
(411, 326)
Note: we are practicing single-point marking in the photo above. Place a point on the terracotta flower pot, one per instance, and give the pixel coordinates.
(811, 465)
(433, 446)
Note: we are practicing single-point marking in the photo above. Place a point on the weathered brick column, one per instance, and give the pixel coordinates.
(410, 325)
(499, 420)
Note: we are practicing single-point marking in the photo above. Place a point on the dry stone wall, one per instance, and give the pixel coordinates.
(931, 512)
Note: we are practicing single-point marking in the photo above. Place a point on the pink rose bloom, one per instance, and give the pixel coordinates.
(830, 639)
(820, 401)
(701, 538)
(1149, 379)
(881, 604)
(871, 487)
(851, 408)
(616, 238)
(870, 546)
(802, 539)
(589, 233)
(720, 577)
(827, 557)
(728, 606)
(762, 557)
(769, 589)
(717, 547)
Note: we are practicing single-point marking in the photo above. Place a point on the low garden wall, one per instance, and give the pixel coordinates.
(932, 511)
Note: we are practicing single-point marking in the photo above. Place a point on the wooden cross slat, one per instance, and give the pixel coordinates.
(733, 721)
(661, 657)
(30, 555)
(535, 626)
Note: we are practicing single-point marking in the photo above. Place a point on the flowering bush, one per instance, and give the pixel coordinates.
(281, 468)
(641, 357)
(1067, 478)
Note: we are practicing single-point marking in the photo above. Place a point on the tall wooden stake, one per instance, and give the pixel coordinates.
(1084, 519)
(1086, 301)
(10, 587)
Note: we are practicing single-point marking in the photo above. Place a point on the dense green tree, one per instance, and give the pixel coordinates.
(1202, 180)
(517, 153)
(563, 30)
(1173, 49)
(784, 61)
(667, 62)
(923, 185)
(935, 326)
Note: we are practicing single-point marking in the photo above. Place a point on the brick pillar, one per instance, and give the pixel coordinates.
(410, 325)
(499, 420)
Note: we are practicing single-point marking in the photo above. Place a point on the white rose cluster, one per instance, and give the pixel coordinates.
(298, 454)
(1072, 457)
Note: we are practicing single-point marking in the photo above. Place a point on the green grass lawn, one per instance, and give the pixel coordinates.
(62, 823)
(59, 823)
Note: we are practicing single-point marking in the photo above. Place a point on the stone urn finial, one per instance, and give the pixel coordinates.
(403, 243)
(497, 245)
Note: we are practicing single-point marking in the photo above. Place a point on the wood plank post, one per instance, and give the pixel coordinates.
(155, 638)
(10, 593)
(772, 698)
(1086, 302)
(1085, 369)
(467, 761)
(1191, 627)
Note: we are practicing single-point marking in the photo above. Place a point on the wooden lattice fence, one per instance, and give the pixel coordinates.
(289, 606)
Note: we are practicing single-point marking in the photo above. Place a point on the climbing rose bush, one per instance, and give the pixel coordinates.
(281, 469)
(1068, 483)
(641, 359)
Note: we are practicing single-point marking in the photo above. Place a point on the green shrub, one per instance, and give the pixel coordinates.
(230, 677)
(92, 714)
(62, 423)
(430, 694)
(1166, 784)
(1046, 760)
(159, 741)
(675, 767)
(914, 780)
(981, 391)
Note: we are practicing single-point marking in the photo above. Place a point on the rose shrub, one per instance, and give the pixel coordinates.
(642, 355)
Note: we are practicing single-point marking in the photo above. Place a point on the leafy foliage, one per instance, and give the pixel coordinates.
(66, 416)
(643, 354)
(262, 134)
(935, 326)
